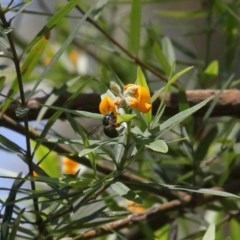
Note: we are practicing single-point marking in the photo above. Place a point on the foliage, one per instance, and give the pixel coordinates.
(126, 162)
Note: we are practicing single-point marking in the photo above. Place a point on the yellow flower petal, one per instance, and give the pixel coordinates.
(137, 97)
(143, 99)
(106, 105)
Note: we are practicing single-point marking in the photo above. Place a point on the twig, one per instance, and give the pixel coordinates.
(228, 104)
(124, 50)
(130, 219)
(157, 216)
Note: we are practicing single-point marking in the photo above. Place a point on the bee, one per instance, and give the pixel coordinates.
(109, 125)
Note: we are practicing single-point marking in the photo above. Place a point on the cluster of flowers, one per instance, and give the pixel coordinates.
(131, 96)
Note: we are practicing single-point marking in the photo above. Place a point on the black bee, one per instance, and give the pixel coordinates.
(109, 123)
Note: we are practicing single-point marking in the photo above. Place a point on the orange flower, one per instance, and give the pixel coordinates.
(135, 207)
(137, 97)
(107, 105)
(132, 207)
(69, 166)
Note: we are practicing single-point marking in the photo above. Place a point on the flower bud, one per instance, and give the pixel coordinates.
(115, 88)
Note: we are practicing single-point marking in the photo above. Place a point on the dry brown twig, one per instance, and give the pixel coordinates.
(159, 213)
(228, 103)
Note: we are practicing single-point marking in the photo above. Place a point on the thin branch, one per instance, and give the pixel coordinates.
(227, 104)
(123, 49)
(157, 216)
(131, 219)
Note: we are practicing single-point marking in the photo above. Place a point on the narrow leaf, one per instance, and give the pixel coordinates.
(122, 190)
(210, 233)
(158, 146)
(183, 14)
(204, 145)
(15, 227)
(177, 76)
(12, 146)
(9, 206)
(162, 59)
(184, 114)
(234, 228)
(168, 51)
(141, 80)
(203, 191)
(87, 151)
(135, 26)
(34, 57)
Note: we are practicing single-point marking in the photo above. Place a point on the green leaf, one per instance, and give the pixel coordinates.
(75, 182)
(148, 232)
(163, 233)
(234, 228)
(204, 145)
(9, 207)
(183, 14)
(212, 69)
(179, 117)
(46, 129)
(157, 94)
(174, 78)
(137, 131)
(226, 7)
(169, 52)
(87, 151)
(170, 82)
(125, 117)
(158, 146)
(76, 112)
(208, 191)
(141, 80)
(210, 233)
(4, 42)
(50, 100)
(84, 136)
(12, 146)
(16, 223)
(2, 80)
(135, 26)
(85, 114)
(163, 61)
(122, 190)
(34, 57)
